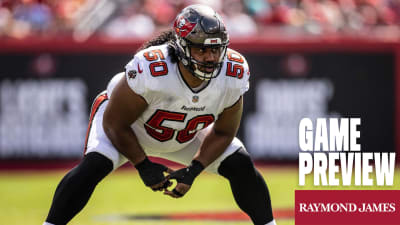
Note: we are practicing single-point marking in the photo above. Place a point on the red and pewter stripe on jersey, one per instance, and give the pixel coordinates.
(100, 99)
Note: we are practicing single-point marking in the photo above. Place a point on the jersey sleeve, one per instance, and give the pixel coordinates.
(136, 78)
(239, 84)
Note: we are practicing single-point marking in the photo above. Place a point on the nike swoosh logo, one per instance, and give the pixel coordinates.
(138, 68)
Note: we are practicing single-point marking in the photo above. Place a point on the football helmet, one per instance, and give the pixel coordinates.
(200, 26)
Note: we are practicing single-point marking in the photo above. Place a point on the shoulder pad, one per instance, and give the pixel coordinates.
(147, 69)
(153, 61)
(235, 76)
(135, 76)
(236, 70)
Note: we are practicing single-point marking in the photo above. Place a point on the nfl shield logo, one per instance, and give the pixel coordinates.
(195, 99)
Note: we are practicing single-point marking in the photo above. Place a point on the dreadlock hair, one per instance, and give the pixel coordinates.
(168, 37)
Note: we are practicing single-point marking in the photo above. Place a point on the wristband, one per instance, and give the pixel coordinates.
(143, 164)
(188, 174)
(195, 168)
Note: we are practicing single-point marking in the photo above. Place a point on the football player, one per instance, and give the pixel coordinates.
(180, 98)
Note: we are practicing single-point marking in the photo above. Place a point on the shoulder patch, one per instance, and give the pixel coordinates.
(132, 74)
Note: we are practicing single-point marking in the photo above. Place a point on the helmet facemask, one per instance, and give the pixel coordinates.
(193, 65)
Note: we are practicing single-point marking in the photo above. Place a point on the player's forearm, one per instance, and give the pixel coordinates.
(221, 135)
(125, 141)
(213, 146)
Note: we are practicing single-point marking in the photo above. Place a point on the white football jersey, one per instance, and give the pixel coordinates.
(175, 112)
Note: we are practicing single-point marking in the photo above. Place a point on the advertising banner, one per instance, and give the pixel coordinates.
(45, 99)
(288, 87)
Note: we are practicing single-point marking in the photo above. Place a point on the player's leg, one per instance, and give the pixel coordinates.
(75, 189)
(248, 187)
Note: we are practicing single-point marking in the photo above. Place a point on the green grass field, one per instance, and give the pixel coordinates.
(26, 196)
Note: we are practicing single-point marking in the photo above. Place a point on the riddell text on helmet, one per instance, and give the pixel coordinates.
(331, 152)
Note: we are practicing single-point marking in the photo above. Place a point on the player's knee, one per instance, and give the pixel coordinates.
(238, 165)
(91, 170)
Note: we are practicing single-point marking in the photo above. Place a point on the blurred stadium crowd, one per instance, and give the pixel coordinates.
(81, 19)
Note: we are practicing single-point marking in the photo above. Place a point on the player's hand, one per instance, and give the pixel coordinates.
(152, 174)
(162, 186)
(184, 178)
(179, 191)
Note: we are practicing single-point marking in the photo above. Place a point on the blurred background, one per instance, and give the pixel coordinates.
(311, 58)
(21, 19)
(308, 58)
